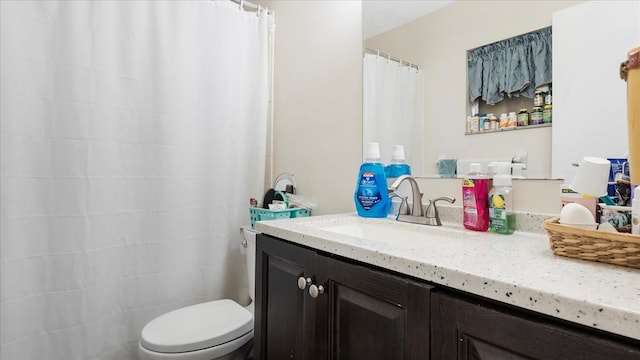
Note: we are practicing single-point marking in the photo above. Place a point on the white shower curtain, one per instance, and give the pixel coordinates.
(393, 109)
(132, 135)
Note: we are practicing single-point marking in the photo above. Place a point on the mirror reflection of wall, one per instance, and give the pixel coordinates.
(590, 99)
(437, 43)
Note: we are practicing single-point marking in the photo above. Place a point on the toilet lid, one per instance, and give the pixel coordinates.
(197, 327)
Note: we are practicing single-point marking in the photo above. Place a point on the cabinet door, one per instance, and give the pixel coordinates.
(465, 329)
(374, 315)
(284, 316)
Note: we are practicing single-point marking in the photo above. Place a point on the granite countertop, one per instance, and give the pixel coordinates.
(518, 269)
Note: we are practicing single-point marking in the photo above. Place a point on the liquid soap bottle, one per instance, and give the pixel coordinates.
(475, 199)
(371, 195)
(502, 220)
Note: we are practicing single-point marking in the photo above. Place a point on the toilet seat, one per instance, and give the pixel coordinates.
(198, 327)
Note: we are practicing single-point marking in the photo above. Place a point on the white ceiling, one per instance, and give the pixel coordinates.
(383, 15)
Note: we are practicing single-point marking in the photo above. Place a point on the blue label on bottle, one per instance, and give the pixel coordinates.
(397, 170)
(368, 192)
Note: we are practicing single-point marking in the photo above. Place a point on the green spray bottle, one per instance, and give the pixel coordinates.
(502, 219)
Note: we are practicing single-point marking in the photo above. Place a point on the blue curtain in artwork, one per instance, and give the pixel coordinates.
(513, 67)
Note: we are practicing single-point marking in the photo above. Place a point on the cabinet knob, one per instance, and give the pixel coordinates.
(314, 290)
(303, 283)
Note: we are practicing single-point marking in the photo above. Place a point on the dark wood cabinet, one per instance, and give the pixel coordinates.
(358, 312)
(361, 312)
(285, 325)
(374, 315)
(465, 329)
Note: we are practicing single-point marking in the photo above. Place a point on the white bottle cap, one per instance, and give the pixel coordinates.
(502, 180)
(372, 152)
(502, 172)
(397, 154)
(475, 168)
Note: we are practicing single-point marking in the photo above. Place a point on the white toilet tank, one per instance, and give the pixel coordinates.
(249, 243)
(220, 329)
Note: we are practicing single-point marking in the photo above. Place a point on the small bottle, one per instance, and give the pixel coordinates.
(486, 124)
(547, 98)
(502, 220)
(493, 122)
(504, 121)
(523, 117)
(547, 114)
(475, 123)
(371, 195)
(513, 120)
(635, 212)
(475, 201)
(538, 98)
(536, 115)
(393, 171)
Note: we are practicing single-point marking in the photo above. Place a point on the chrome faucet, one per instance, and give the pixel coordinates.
(416, 196)
(415, 215)
(431, 217)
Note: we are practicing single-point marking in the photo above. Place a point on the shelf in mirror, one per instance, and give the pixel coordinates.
(510, 129)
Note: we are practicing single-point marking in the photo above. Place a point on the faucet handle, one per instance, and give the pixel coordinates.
(450, 199)
(432, 210)
(404, 206)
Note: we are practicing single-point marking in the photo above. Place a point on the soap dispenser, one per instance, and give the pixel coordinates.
(475, 203)
(502, 220)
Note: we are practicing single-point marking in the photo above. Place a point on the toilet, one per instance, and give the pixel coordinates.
(215, 330)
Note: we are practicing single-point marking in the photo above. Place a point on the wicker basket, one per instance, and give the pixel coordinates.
(613, 248)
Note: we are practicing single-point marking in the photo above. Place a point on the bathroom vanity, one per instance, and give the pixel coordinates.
(344, 287)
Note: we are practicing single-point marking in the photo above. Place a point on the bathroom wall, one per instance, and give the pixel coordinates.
(317, 124)
(533, 196)
(438, 43)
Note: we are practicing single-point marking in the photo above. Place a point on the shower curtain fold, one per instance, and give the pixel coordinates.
(132, 135)
(393, 109)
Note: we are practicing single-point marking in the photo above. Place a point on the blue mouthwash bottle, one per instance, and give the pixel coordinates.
(393, 171)
(371, 195)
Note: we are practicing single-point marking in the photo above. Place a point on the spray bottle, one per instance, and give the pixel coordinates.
(502, 219)
(371, 195)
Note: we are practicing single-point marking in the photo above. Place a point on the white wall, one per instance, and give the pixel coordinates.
(438, 44)
(317, 130)
(529, 195)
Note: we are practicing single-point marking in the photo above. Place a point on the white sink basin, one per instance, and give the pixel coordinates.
(385, 230)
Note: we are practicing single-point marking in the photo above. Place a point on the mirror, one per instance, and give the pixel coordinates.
(438, 41)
